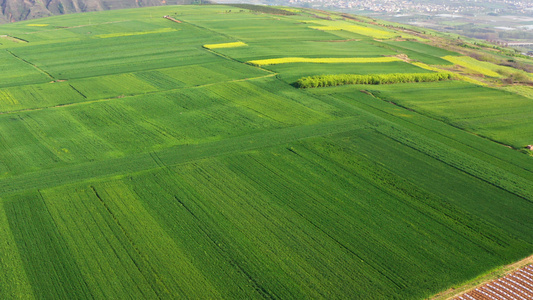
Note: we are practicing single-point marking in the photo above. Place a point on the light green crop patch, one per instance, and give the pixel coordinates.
(285, 60)
(14, 281)
(225, 45)
(120, 34)
(473, 64)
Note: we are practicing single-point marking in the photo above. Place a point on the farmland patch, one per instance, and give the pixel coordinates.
(330, 60)
(316, 49)
(292, 72)
(18, 98)
(375, 33)
(148, 166)
(112, 86)
(473, 65)
(499, 115)
(225, 45)
(121, 34)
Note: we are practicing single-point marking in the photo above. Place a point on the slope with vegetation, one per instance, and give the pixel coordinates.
(147, 158)
(17, 10)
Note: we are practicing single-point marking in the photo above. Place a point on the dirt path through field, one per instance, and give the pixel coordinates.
(480, 281)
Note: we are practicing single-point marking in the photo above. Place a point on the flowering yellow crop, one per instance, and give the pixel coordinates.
(473, 64)
(331, 60)
(458, 76)
(225, 45)
(375, 33)
(37, 25)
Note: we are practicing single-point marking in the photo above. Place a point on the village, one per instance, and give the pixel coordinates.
(406, 6)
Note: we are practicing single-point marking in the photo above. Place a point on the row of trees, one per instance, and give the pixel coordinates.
(342, 79)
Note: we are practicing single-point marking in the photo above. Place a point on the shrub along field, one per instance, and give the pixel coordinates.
(342, 79)
(137, 160)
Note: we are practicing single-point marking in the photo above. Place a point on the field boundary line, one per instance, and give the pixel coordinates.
(240, 62)
(31, 64)
(481, 280)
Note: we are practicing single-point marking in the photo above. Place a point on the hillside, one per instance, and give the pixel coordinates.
(19, 10)
(245, 152)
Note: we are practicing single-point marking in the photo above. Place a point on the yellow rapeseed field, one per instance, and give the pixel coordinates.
(225, 45)
(331, 60)
(375, 33)
(458, 76)
(473, 64)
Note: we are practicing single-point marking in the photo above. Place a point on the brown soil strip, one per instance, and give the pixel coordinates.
(13, 39)
(172, 19)
(454, 292)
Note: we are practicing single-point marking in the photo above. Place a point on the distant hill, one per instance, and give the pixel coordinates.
(19, 10)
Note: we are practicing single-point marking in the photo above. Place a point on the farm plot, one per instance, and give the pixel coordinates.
(47, 139)
(322, 60)
(14, 71)
(224, 220)
(474, 65)
(292, 72)
(331, 48)
(249, 28)
(7, 41)
(84, 58)
(422, 52)
(120, 85)
(499, 115)
(129, 84)
(149, 122)
(83, 26)
(423, 48)
(122, 34)
(176, 171)
(212, 72)
(225, 45)
(362, 30)
(38, 96)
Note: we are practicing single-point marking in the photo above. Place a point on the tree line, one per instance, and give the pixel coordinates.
(342, 79)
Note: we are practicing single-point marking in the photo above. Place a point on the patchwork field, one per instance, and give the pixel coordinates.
(145, 158)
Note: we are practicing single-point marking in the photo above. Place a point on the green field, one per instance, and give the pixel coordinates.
(135, 163)
(499, 115)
